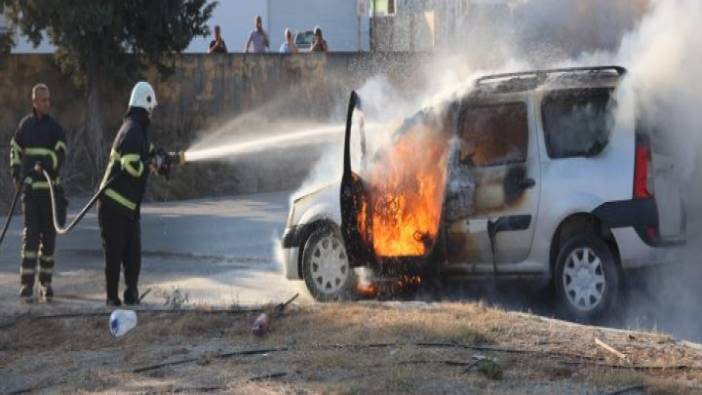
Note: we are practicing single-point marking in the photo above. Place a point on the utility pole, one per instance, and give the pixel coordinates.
(372, 29)
(361, 12)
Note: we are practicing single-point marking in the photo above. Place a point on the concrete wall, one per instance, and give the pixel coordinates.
(205, 93)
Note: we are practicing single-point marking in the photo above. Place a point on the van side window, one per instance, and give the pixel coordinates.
(577, 122)
(494, 134)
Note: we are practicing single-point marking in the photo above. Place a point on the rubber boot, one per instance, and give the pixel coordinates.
(27, 293)
(46, 293)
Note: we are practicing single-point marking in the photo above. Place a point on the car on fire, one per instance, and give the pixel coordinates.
(545, 173)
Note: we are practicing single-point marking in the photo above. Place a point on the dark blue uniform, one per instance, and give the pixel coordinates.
(38, 139)
(119, 207)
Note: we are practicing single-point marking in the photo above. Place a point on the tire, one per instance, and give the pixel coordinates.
(325, 266)
(587, 278)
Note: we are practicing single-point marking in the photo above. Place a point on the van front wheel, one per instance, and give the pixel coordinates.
(325, 266)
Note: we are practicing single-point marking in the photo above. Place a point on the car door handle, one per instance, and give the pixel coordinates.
(527, 183)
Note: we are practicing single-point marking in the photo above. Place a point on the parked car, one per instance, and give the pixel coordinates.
(304, 40)
(535, 174)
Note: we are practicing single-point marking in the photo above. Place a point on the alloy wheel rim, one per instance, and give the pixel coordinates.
(584, 279)
(329, 265)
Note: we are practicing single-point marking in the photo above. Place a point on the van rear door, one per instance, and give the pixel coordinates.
(668, 194)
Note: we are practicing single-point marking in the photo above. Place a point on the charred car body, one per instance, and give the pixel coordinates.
(535, 173)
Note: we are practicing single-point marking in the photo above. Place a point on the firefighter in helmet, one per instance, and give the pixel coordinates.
(129, 163)
(38, 144)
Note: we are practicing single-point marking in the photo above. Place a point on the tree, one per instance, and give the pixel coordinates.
(110, 41)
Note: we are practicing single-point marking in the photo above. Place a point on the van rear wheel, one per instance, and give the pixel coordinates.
(587, 277)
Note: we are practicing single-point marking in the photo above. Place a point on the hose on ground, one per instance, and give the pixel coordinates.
(9, 214)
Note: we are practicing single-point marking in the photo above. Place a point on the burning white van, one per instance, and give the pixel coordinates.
(532, 173)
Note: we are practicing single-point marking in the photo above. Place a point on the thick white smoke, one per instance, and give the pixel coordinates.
(664, 57)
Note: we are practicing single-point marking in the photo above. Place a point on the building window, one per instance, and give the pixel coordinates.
(383, 7)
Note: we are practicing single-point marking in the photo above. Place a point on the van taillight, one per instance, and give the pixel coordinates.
(643, 169)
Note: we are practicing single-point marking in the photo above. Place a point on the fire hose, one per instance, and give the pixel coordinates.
(163, 161)
(81, 214)
(9, 214)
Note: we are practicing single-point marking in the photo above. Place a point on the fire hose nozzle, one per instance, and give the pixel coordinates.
(181, 157)
(176, 158)
(166, 160)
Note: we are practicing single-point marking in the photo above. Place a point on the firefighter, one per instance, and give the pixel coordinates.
(130, 161)
(39, 143)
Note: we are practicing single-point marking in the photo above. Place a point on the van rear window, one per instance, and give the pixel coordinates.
(577, 122)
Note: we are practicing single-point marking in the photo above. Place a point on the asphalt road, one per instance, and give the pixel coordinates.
(221, 252)
(217, 251)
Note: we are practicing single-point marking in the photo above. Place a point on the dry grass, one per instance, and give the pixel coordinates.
(93, 361)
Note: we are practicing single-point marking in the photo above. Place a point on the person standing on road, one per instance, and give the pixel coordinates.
(288, 45)
(218, 45)
(258, 37)
(38, 144)
(130, 161)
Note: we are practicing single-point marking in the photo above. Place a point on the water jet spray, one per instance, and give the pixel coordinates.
(293, 139)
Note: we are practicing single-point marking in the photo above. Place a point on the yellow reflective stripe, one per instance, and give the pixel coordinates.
(29, 254)
(117, 197)
(114, 157)
(15, 153)
(46, 270)
(41, 184)
(14, 145)
(47, 258)
(127, 164)
(107, 174)
(26, 270)
(59, 145)
(42, 151)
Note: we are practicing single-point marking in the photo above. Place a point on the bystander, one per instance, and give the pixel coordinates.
(288, 45)
(218, 45)
(319, 44)
(258, 38)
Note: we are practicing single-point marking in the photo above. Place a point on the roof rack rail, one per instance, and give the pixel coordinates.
(542, 73)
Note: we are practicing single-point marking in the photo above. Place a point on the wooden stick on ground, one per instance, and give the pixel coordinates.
(611, 349)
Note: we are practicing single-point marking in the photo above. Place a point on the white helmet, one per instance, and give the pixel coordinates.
(143, 96)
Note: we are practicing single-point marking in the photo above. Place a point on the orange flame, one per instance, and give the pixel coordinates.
(367, 290)
(406, 194)
(371, 289)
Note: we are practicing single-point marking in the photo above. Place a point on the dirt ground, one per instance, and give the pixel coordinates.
(391, 347)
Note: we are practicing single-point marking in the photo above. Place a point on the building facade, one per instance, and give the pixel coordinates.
(568, 25)
(338, 19)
